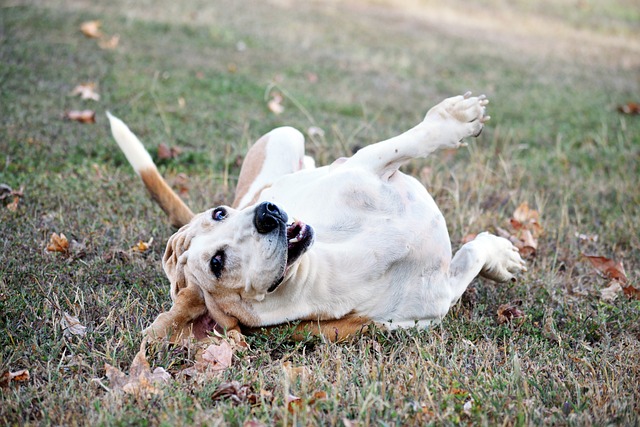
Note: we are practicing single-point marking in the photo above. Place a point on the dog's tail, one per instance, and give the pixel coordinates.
(178, 212)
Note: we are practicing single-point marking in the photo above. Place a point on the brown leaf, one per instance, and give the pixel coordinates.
(142, 246)
(86, 91)
(218, 357)
(236, 392)
(295, 372)
(294, 403)
(140, 381)
(508, 312)
(609, 268)
(7, 193)
(109, 44)
(58, 243)
(527, 218)
(82, 116)
(629, 108)
(631, 291)
(91, 29)
(18, 376)
(71, 326)
(165, 152)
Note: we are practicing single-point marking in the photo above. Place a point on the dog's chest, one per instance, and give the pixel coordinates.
(351, 206)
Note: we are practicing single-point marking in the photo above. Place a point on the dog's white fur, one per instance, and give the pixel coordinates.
(380, 249)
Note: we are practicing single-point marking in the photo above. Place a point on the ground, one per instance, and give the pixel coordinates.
(206, 77)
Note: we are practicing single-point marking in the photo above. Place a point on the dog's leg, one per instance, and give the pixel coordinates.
(490, 256)
(277, 153)
(444, 126)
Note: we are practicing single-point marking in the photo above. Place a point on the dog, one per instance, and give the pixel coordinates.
(334, 247)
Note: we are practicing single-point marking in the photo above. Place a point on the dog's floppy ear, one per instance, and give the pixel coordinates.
(175, 258)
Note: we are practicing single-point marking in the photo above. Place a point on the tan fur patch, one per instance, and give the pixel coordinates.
(251, 167)
(178, 212)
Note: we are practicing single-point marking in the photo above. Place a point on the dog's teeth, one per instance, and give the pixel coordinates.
(294, 240)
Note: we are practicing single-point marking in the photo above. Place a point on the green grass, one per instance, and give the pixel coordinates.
(555, 140)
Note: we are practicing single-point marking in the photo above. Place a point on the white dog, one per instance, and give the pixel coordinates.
(336, 247)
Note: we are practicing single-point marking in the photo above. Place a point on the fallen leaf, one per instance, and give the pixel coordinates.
(611, 292)
(109, 44)
(236, 392)
(142, 246)
(140, 381)
(295, 372)
(218, 356)
(629, 108)
(91, 29)
(7, 193)
(631, 291)
(527, 218)
(275, 103)
(71, 326)
(294, 403)
(166, 152)
(86, 91)
(253, 423)
(508, 312)
(18, 376)
(58, 243)
(82, 116)
(609, 268)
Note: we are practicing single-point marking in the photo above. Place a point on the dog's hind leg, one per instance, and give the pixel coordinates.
(444, 126)
(487, 255)
(277, 153)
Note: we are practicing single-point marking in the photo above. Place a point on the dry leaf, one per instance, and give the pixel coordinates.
(166, 152)
(18, 376)
(140, 381)
(527, 218)
(86, 91)
(296, 372)
(82, 116)
(142, 246)
(614, 270)
(109, 44)
(609, 268)
(508, 312)
(218, 357)
(58, 243)
(253, 423)
(7, 193)
(238, 393)
(611, 292)
(629, 108)
(71, 326)
(275, 103)
(293, 403)
(91, 29)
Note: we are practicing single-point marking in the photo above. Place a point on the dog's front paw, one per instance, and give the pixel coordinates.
(503, 259)
(462, 116)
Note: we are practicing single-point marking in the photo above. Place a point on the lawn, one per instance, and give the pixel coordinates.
(198, 77)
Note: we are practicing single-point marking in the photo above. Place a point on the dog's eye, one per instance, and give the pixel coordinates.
(219, 214)
(217, 264)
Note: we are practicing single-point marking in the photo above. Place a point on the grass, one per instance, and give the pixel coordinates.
(197, 76)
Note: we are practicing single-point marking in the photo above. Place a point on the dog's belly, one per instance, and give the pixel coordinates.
(384, 244)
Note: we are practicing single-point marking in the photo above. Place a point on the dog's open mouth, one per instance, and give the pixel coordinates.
(299, 238)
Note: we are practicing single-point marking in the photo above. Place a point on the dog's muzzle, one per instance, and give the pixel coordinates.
(268, 217)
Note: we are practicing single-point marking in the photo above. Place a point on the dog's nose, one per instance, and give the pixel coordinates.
(267, 217)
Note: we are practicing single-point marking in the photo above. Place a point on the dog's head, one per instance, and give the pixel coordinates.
(235, 255)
